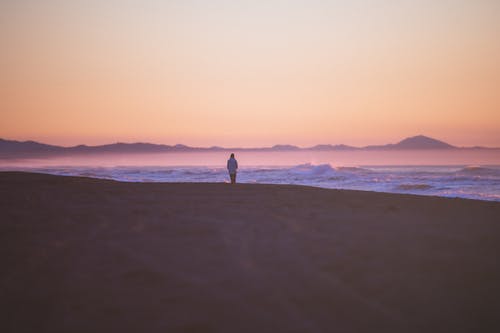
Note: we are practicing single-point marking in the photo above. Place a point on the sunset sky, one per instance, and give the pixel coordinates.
(250, 73)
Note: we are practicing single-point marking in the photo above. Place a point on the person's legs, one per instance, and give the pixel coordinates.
(233, 178)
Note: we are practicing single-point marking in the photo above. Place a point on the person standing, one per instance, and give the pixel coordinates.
(232, 166)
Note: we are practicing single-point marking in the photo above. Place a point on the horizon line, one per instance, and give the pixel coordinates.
(293, 146)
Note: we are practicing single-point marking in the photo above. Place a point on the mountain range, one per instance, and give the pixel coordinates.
(12, 148)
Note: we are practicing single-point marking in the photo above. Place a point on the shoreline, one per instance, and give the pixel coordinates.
(410, 186)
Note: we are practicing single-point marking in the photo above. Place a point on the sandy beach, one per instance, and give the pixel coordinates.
(90, 255)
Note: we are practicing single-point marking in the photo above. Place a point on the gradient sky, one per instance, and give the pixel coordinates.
(250, 73)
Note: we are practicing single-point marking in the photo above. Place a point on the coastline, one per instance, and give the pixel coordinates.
(85, 254)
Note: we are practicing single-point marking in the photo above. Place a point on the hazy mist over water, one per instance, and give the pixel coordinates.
(274, 158)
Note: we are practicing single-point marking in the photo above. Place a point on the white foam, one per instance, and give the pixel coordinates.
(476, 182)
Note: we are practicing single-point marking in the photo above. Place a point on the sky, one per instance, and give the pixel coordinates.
(250, 73)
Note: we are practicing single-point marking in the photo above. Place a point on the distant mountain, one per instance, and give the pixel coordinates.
(331, 147)
(138, 147)
(13, 149)
(31, 148)
(414, 142)
(422, 142)
(120, 148)
(283, 148)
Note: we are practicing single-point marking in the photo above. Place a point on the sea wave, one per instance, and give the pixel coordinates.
(309, 169)
(353, 169)
(479, 171)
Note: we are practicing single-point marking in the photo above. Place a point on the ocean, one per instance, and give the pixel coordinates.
(472, 181)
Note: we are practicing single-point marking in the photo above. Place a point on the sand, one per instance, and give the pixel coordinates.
(88, 255)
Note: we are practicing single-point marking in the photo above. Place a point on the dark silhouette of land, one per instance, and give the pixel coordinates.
(11, 148)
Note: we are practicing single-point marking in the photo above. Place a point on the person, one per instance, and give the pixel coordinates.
(232, 166)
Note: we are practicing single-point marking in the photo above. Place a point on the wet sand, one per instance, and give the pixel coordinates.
(88, 255)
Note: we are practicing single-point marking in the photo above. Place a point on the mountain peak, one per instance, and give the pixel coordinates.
(422, 142)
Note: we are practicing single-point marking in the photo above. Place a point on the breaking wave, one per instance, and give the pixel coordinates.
(309, 169)
(352, 169)
(479, 171)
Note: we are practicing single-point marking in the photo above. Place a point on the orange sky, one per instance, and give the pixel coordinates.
(250, 73)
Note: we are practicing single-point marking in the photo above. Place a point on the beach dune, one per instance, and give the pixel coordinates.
(90, 255)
